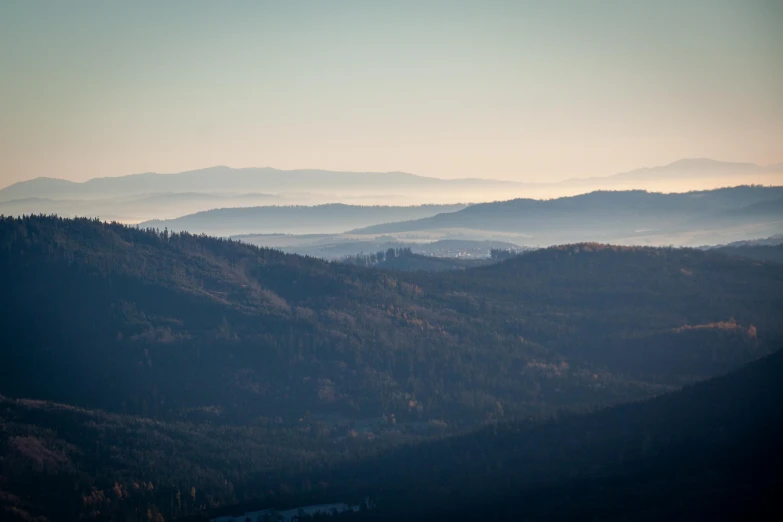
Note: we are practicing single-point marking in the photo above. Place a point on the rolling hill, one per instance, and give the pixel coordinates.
(608, 216)
(106, 316)
(319, 219)
(222, 180)
(709, 451)
(137, 365)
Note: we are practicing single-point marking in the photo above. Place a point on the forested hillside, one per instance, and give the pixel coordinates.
(759, 252)
(545, 316)
(165, 362)
(178, 326)
(708, 452)
(404, 259)
(64, 463)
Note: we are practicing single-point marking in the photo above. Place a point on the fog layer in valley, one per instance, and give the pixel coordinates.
(141, 197)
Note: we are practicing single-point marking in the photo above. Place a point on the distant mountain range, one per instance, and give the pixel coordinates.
(767, 249)
(140, 197)
(137, 207)
(227, 180)
(626, 217)
(329, 218)
(685, 169)
(620, 216)
(769, 241)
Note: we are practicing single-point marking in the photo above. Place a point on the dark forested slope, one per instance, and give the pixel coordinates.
(252, 375)
(708, 452)
(175, 325)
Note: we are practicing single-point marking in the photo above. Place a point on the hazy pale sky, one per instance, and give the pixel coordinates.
(532, 91)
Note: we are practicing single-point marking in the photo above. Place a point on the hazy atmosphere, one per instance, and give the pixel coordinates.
(374, 261)
(524, 91)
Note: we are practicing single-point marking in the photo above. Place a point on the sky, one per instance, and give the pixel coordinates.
(518, 90)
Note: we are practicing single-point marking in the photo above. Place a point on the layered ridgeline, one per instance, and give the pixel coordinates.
(140, 197)
(768, 249)
(624, 217)
(627, 217)
(174, 325)
(319, 219)
(226, 180)
(190, 372)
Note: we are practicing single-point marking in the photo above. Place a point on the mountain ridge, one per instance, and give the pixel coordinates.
(643, 460)
(230, 187)
(203, 365)
(607, 215)
(325, 218)
(356, 176)
(685, 165)
(150, 299)
(252, 176)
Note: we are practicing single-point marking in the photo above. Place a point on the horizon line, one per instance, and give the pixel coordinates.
(223, 166)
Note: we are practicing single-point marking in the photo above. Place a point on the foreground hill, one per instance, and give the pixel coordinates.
(709, 451)
(66, 463)
(603, 216)
(184, 327)
(318, 219)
